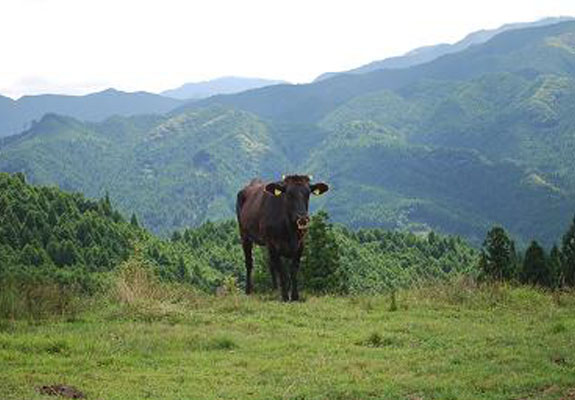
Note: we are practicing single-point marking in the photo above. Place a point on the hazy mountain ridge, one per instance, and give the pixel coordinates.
(17, 115)
(426, 54)
(523, 51)
(223, 85)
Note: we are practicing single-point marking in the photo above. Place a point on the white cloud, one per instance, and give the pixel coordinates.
(75, 46)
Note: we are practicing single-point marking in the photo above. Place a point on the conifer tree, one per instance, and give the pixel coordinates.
(181, 270)
(568, 256)
(482, 265)
(320, 268)
(500, 257)
(555, 267)
(134, 221)
(20, 176)
(535, 268)
(176, 236)
(106, 205)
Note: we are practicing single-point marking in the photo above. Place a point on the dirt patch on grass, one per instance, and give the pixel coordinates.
(69, 392)
(570, 395)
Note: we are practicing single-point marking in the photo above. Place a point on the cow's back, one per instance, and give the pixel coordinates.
(250, 209)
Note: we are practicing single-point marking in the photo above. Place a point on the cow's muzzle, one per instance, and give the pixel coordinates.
(302, 223)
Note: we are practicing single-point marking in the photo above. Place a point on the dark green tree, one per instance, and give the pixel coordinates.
(321, 262)
(568, 256)
(176, 236)
(500, 256)
(134, 221)
(34, 255)
(69, 253)
(106, 205)
(482, 265)
(20, 176)
(535, 269)
(182, 272)
(554, 262)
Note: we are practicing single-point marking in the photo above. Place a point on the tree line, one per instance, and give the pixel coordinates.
(50, 236)
(500, 261)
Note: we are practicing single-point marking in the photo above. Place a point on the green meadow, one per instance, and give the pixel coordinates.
(148, 340)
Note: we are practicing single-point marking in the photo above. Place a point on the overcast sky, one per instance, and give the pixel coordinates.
(80, 46)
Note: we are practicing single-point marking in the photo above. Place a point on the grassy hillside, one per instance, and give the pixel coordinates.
(97, 304)
(441, 342)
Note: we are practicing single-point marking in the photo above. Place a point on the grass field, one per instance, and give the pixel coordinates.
(441, 342)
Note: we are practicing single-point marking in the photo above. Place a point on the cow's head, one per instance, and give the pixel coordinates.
(295, 190)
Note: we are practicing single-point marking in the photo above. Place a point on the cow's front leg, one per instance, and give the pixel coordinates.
(293, 277)
(276, 264)
(247, 246)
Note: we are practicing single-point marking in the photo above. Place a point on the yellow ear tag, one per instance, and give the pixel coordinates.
(317, 192)
(277, 192)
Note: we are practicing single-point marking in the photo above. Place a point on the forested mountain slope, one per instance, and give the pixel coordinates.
(481, 137)
(173, 171)
(524, 52)
(18, 115)
(426, 54)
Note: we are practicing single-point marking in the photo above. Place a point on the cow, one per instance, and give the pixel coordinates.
(275, 215)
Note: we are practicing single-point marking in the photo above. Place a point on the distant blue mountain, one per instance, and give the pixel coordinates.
(224, 85)
(426, 54)
(17, 115)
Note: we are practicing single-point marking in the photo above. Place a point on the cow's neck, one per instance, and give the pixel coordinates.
(296, 236)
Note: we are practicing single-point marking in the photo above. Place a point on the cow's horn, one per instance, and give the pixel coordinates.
(283, 177)
(310, 177)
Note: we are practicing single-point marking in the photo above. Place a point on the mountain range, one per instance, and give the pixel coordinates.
(223, 85)
(18, 115)
(479, 137)
(426, 54)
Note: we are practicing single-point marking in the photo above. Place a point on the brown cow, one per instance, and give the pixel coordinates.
(275, 215)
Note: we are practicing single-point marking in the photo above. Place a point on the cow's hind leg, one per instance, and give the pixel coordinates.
(248, 246)
(274, 276)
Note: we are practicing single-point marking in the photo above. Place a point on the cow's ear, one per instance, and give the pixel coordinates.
(319, 188)
(275, 189)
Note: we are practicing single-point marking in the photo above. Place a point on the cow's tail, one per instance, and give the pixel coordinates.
(240, 200)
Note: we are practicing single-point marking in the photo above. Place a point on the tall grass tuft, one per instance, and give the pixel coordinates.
(42, 292)
(136, 282)
(20, 299)
(140, 294)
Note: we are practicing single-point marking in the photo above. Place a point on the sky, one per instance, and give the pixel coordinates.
(82, 46)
